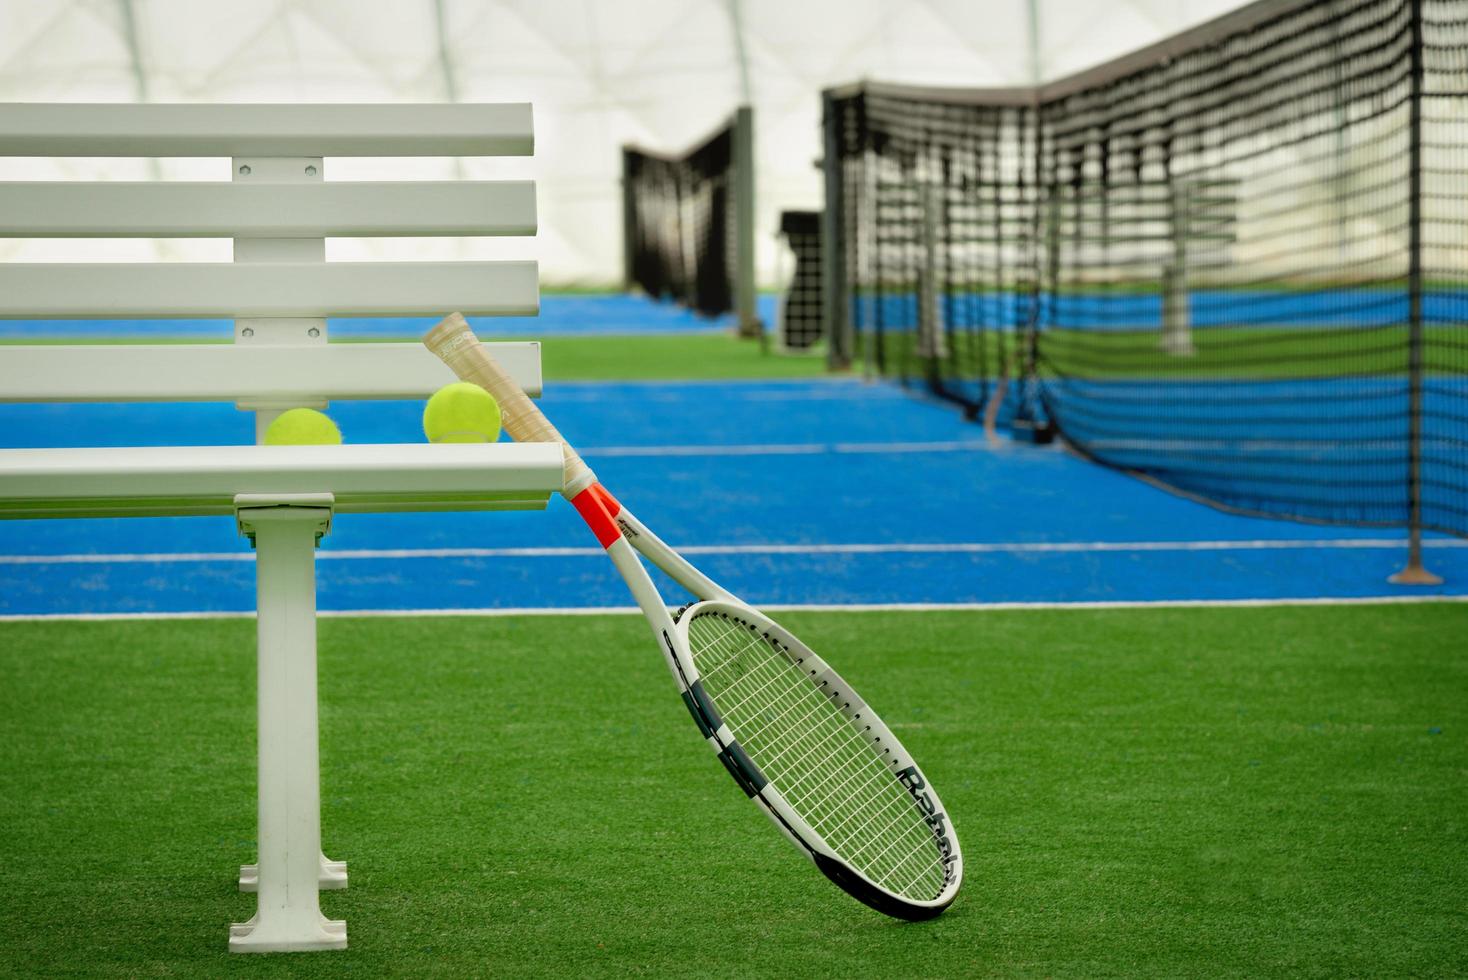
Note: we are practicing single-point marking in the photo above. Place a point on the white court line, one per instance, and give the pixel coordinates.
(790, 449)
(1385, 600)
(755, 390)
(897, 548)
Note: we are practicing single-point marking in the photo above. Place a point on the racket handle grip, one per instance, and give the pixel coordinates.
(453, 340)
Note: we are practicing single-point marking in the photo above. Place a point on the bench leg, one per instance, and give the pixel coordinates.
(291, 863)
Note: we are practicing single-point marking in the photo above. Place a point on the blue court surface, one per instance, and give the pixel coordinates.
(810, 493)
(593, 314)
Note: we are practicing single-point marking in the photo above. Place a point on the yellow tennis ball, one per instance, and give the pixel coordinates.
(302, 427)
(461, 412)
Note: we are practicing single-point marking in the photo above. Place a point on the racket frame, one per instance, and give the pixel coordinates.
(605, 515)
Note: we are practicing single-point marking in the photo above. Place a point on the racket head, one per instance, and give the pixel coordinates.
(818, 760)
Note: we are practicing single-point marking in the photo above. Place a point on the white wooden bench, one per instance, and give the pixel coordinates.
(279, 291)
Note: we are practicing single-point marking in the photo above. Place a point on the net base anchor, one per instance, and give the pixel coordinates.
(1031, 431)
(1415, 574)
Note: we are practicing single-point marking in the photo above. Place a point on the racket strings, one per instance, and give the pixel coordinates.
(820, 761)
(831, 789)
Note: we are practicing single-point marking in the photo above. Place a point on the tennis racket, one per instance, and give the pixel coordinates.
(796, 738)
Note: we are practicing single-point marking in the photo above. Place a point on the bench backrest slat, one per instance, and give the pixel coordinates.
(155, 130)
(205, 209)
(121, 290)
(280, 375)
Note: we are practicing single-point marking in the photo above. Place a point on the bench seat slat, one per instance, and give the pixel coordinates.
(280, 375)
(156, 480)
(122, 290)
(184, 209)
(187, 130)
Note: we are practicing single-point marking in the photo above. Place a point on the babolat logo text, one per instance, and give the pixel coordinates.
(627, 530)
(936, 820)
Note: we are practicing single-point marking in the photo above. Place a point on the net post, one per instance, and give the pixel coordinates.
(1415, 573)
(836, 323)
(931, 340)
(1177, 327)
(1026, 425)
(744, 286)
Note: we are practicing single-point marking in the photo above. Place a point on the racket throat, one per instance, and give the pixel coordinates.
(599, 509)
(610, 521)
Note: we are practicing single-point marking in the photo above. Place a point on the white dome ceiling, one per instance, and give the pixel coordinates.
(659, 73)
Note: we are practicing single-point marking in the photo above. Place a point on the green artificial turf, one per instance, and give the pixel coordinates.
(1164, 792)
(682, 357)
(1230, 353)
(664, 357)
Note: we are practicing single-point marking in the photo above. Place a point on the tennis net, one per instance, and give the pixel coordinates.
(1234, 263)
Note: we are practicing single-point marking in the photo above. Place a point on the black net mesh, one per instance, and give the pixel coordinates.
(1218, 264)
(1444, 230)
(937, 213)
(680, 224)
(799, 326)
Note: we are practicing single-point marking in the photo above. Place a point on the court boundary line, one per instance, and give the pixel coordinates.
(774, 607)
(790, 449)
(854, 548)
